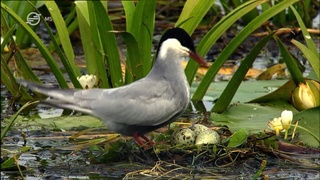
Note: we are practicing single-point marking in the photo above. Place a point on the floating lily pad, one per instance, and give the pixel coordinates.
(252, 117)
(63, 122)
(310, 120)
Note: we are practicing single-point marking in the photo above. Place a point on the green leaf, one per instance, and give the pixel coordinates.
(247, 90)
(310, 121)
(21, 65)
(192, 13)
(6, 75)
(235, 42)
(66, 56)
(227, 95)
(109, 43)
(211, 37)
(134, 67)
(142, 28)
(63, 122)
(9, 163)
(305, 32)
(238, 138)
(252, 117)
(291, 63)
(90, 51)
(283, 93)
(13, 119)
(129, 9)
(42, 48)
(62, 31)
(311, 57)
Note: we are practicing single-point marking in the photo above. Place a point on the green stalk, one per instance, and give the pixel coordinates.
(233, 85)
(291, 63)
(211, 37)
(311, 57)
(142, 28)
(42, 48)
(134, 68)
(109, 44)
(235, 42)
(14, 117)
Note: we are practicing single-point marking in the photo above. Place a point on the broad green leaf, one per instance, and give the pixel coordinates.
(283, 92)
(252, 117)
(247, 90)
(238, 138)
(62, 122)
(310, 120)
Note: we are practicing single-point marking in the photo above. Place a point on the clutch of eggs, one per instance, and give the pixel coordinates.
(197, 134)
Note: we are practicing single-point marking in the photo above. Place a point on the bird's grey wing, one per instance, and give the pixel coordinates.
(145, 103)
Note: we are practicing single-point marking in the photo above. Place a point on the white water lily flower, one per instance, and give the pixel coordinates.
(87, 81)
(286, 119)
(276, 125)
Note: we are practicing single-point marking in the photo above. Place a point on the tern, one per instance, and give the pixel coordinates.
(141, 106)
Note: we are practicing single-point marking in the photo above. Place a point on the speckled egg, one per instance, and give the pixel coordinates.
(183, 136)
(208, 137)
(198, 128)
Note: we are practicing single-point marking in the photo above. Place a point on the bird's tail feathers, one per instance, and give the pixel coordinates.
(57, 94)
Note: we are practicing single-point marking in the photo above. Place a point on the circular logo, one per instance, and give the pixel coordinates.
(33, 18)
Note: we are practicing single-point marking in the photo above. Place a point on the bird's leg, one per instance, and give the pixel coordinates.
(147, 139)
(136, 137)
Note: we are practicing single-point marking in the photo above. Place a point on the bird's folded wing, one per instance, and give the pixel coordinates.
(143, 104)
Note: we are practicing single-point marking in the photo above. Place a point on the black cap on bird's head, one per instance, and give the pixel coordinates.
(181, 35)
(185, 40)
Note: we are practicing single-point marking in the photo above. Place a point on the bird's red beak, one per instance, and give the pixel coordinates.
(198, 58)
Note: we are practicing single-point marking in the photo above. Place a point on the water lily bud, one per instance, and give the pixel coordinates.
(286, 119)
(276, 125)
(306, 95)
(87, 81)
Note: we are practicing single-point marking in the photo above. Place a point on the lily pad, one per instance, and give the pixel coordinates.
(309, 120)
(252, 117)
(247, 91)
(63, 122)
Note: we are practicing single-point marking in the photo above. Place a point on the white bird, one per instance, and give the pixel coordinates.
(142, 106)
